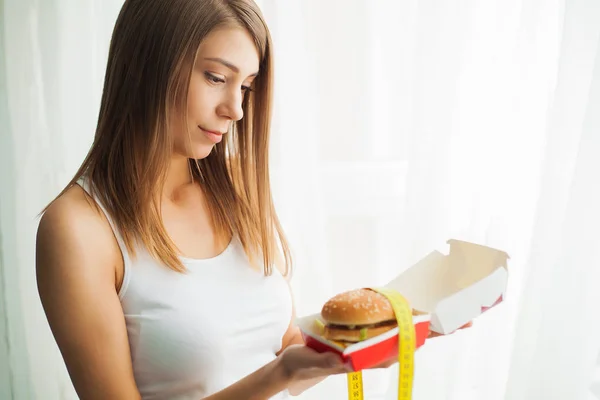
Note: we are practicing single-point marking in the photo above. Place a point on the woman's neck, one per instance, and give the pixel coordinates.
(179, 178)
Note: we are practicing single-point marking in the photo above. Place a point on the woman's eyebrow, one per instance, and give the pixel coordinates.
(228, 65)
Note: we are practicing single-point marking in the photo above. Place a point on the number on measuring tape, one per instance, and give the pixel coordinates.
(355, 389)
(406, 349)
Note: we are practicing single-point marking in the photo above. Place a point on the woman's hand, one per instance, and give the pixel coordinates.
(302, 367)
(299, 362)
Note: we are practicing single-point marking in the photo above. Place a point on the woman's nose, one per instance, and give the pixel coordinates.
(231, 107)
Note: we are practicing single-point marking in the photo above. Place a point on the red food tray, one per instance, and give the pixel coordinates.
(365, 354)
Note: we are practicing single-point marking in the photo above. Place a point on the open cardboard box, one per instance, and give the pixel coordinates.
(450, 290)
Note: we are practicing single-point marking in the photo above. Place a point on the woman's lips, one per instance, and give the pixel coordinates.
(213, 136)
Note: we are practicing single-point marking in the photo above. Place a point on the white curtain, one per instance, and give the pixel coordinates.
(398, 125)
(52, 59)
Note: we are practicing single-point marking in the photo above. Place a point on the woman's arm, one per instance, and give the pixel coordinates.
(295, 364)
(296, 369)
(262, 384)
(76, 260)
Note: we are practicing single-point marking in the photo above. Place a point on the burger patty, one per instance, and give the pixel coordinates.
(352, 327)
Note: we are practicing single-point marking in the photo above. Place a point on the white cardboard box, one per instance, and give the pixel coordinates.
(457, 287)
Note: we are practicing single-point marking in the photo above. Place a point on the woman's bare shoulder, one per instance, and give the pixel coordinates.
(72, 229)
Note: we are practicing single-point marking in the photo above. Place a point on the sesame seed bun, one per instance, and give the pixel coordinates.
(357, 315)
(357, 307)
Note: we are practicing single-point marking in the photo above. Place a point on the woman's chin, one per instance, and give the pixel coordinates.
(201, 151)
(198, 147)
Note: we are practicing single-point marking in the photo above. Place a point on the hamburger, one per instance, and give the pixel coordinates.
(357, 315)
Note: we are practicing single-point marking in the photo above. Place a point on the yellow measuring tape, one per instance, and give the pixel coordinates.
(406, 349)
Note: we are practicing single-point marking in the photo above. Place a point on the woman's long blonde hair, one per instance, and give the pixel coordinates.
(152, 52)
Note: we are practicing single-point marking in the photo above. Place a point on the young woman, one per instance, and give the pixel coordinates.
(161, 266)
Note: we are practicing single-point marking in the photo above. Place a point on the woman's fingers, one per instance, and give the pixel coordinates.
(300, 362)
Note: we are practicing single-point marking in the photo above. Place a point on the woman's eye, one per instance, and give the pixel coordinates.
(215, 79)
(212, 78)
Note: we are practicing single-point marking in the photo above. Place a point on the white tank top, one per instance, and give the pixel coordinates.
(193, 334)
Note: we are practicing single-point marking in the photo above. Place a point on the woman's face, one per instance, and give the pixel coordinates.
(226, 64)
